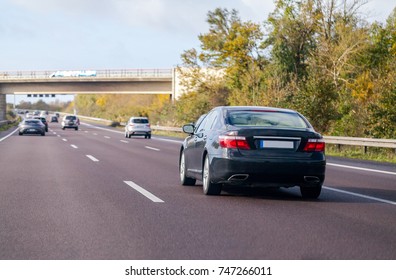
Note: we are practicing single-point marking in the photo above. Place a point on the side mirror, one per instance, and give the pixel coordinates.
(188, 128)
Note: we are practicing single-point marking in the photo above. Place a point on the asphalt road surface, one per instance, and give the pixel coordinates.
(93, 194)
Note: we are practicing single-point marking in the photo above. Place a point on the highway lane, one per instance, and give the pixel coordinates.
(67, 206)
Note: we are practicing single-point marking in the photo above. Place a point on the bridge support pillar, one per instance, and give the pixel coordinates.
(3, 107)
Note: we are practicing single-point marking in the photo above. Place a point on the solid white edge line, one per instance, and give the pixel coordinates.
(151, 148)
(361, 195)
(92, 158)
(361, 168)
(107, 137)
(74, 146)
(64, 139)
(144, 192)
(121, 132)
(115, 131)
(5, 137)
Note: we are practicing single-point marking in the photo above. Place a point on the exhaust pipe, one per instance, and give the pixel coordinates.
(238, 177)
(311, 179)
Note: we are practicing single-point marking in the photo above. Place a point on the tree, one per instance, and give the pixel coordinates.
(382, 57)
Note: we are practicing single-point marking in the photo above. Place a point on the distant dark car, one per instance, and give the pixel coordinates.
(253, 146)
(70, 121)
(44, 121)
(54, 119)
(31, 126)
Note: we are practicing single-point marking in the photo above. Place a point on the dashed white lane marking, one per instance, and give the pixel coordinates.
(74, 146)
(58, 135)
(54, 132)
(363, 169)
(86, 131)
(361, 195)
(123, 141)
(144, 192)
(92, 158)
(151, 148)
(107, 137)
(94, 134)
(64, 139)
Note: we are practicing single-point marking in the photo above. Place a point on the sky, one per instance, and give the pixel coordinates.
(116, 34)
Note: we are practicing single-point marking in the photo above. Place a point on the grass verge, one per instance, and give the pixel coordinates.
(372, 153)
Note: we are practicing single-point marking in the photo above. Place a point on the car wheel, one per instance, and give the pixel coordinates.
(129, 135)
(126, 134)
(20, 133)
(149, 136)
(43, 134)
(76, 128)
(209, 188)
(311, 191)
(46, 130)
(63, 128)
(184, 180)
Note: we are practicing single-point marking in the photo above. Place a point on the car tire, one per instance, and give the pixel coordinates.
(126, 134)
(311, 191)
(184, 180)
(129, 135)
(76, 128)
(20, 133)
(63, 128)
(149, 136)
(43, 134)
(46, 130)
(209, 188)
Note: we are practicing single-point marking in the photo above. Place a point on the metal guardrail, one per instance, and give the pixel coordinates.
(121, 73)
(364, 142)
(3, 122)
(337, 140)
(349, 141)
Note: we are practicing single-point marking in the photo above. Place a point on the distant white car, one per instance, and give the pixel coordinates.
(138, 126)
(70, 121)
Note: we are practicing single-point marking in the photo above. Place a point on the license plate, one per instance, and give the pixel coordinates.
(273, 144)
(31, 130)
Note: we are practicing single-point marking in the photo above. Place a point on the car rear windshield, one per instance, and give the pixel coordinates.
(32, 121)
(266, 118)
(140, 120)
(73, 118)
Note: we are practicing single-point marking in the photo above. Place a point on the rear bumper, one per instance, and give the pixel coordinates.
(135, 132)
(33, 131)
(267, 172)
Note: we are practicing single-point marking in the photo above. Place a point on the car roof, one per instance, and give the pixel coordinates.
(229, 108)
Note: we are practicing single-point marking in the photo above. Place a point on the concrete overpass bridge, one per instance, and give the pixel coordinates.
(127, 81)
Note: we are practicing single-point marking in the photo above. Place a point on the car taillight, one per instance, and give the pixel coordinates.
(131, 125)
(148, 125)
(315, 145)
(233, 142)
